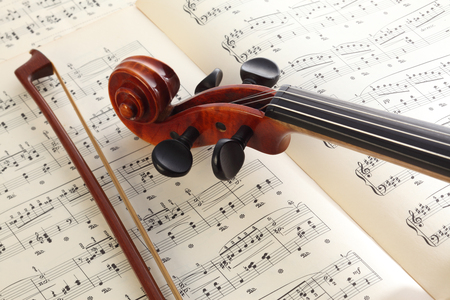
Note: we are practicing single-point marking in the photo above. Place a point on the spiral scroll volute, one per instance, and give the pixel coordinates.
(141, 89)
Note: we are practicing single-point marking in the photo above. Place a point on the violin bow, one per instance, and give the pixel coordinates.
(39, 66)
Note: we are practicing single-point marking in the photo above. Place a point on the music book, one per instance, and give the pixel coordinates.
(316, 222)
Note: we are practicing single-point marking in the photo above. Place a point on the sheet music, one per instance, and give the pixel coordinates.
(389, 55)
(32, 23)
(268, 233)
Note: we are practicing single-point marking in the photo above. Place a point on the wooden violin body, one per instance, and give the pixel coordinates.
(141, 89)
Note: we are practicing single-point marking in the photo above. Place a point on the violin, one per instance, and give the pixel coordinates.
(231, 117)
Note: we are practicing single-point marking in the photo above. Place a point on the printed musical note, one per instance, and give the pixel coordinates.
(339, 280)
(379, 185)
(24, 24)
(410, 89)
(207, 15)
(429, 220)
(312, 17)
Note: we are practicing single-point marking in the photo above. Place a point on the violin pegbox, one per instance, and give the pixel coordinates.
(141, 89)
(228, 155)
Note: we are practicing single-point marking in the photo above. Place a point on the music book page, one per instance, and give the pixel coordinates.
(389, 55)
(32, 23)
(270, 233)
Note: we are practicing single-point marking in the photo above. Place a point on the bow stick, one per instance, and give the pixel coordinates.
(39, 66)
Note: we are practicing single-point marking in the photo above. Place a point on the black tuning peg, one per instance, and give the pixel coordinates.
(228, 155)
(210, 81)
(173, 158)
(261, 71)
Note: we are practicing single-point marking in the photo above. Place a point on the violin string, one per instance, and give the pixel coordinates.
(254, 96)
(122, 194)
(360, 119)
(403, 153)
(252, 102)
(361, 112)
(262, 93)
(340, 125)
(317, 99)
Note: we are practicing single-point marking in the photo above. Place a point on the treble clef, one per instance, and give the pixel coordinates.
(415, 220)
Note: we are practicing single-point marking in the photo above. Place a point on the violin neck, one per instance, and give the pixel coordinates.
(417, 145)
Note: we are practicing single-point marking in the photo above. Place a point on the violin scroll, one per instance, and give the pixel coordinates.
(141, 89)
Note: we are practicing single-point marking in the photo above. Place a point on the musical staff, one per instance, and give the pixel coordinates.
(31, 23)
(73, 277)
(429, 220)
(295, 23)
(420, 86)
(195, 10)
(254, 250)
(342, 279)
(368, 169)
